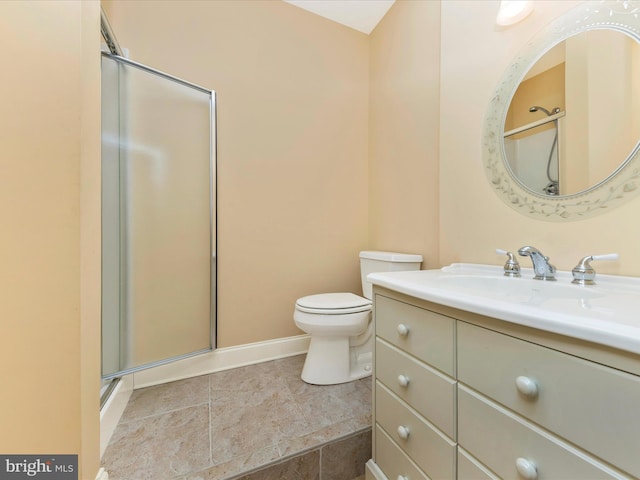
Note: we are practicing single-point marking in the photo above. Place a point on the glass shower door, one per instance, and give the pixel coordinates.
(158, 220)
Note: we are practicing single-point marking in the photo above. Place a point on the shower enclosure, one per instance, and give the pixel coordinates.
(158, 217)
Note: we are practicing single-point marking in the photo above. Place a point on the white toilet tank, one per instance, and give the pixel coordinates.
(375, 262)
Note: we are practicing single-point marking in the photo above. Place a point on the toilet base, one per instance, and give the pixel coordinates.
(330, 360)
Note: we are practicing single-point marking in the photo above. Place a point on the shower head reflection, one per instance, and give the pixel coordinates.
(535, 108)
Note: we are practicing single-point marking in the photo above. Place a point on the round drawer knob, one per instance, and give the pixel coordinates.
(403, 432)
(527, 387)
(526, 469)
(403, 380)
(402, 329)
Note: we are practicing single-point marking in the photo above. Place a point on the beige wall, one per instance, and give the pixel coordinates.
(474, 221)
(50, 249)
(292, 91)
(310, 172)
(293, 159)
(403, 131)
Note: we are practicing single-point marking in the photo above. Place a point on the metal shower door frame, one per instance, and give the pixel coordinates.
(212, 214)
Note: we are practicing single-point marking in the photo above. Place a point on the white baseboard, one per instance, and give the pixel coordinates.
(222, 359)
(112, 410)
(373, 472)
(102, 475)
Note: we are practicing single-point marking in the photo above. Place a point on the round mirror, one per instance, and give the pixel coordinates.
(562, 131)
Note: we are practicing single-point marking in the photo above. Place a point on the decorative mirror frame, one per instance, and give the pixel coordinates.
(617, 188)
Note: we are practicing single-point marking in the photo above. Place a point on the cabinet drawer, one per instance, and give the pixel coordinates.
(428, 391)
(424, 334)
(593, 406)
(502, 439)
(470, 469)
(393, 461)
(428, 448)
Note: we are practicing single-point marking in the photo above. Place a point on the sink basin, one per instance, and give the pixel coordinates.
(515, 289)
(606, 313)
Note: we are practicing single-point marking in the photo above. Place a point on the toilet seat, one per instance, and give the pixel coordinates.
(340, 325)
(333, 304)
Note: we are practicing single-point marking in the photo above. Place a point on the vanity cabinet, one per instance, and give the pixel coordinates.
(594, 407)
(414, 391)
(459, 395)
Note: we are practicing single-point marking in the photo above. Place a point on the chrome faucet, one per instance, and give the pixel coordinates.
(541, 266)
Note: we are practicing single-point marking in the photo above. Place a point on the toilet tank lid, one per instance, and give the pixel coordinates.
(391, 256)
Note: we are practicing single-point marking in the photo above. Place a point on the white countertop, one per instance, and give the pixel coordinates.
(607, 313)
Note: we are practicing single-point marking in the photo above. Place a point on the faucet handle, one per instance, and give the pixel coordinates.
(584, 274)
(511, 267)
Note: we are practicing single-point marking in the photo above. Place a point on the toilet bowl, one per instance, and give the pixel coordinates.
(332, 320)
(340, 324)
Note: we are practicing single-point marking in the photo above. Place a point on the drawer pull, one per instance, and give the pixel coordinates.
(403, 432)
(403, 380)
(526, 469)
(402, 330)
(527, 387)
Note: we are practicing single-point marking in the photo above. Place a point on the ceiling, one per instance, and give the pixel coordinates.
(361, 15)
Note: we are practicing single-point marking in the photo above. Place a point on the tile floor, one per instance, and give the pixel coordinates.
(230, 424)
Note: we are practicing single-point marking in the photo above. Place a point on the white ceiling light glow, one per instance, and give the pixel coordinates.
(513, 11)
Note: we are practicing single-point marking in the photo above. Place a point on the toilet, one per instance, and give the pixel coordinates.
(340, 324)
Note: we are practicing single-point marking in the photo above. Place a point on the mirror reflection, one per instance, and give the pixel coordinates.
(575, 117)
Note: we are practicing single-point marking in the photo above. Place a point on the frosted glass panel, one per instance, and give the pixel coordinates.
(157, 218)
